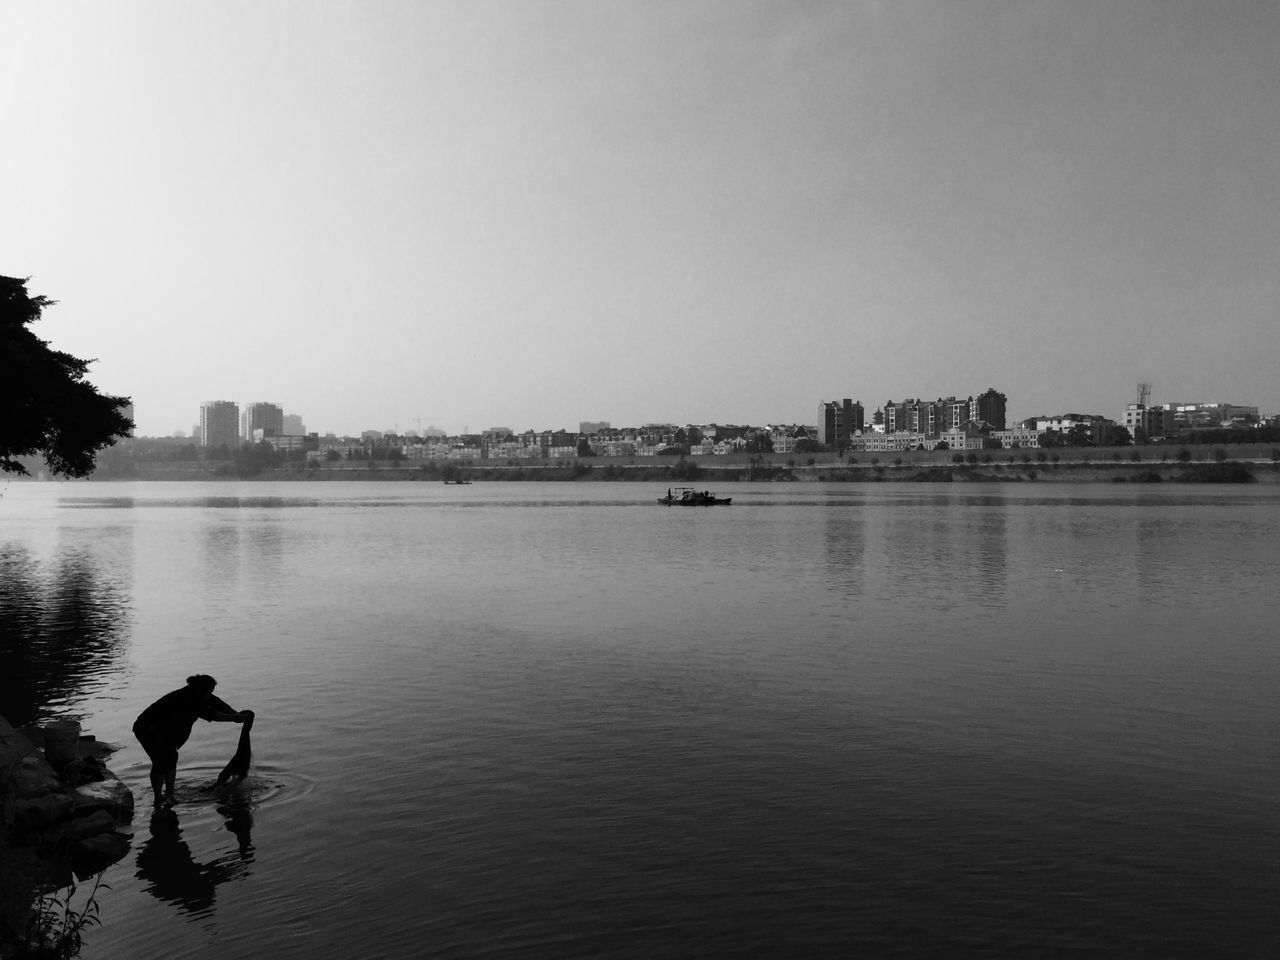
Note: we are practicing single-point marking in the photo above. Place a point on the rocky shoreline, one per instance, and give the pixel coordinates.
(65, 816)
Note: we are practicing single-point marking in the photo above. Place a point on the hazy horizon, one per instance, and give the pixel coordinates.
(530, 215)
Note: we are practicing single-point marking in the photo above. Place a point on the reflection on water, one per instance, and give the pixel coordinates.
(991, 561)
(238, 817)
(172, 873)
(216, 503)
(844, 532)
(953, 555)
(221, 556)
(63, 622)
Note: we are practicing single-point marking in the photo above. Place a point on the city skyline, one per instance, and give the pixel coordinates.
(704, 212)
(224, 418)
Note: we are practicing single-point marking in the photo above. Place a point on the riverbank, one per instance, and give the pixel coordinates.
(64, 818)
(1039, 466)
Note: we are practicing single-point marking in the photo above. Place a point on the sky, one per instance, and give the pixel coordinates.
(529, 213)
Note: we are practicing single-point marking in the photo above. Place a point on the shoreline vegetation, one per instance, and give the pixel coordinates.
(1244, 463)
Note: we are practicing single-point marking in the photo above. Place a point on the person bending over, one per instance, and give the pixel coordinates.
(165, 726)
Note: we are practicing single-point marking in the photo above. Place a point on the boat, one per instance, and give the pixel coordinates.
(689, 497)
(457, 482)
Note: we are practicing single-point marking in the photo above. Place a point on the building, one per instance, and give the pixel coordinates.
(970, 435)
(989, 407)
(267, 417)
(1098, 428)
(288, 443)
(1016, 437)
(873, 442)
(1144, 422)
(1207, 416)
(838, 420)
(293, 426)
(219, 424)
(933, 418)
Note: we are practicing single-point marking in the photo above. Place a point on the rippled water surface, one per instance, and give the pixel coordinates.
(560, 720)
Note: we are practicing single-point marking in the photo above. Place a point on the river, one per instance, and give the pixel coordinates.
(558, 719)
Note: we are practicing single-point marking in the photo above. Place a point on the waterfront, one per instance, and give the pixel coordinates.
(557, 719)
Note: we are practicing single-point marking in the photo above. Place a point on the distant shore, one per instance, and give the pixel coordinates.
(1152, 464)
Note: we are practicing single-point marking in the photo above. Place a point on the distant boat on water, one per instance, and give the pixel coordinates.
(689, 497)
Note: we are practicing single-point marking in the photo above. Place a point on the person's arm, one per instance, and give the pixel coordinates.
(223, 712)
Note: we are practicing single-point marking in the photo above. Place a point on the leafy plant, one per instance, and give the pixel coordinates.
(56, 928)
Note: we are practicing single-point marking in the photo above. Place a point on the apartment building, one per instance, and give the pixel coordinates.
(838, 420)
(267, 417)
(1144, 421)
(219, 424)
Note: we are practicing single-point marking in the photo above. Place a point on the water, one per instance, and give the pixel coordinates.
(512, 720)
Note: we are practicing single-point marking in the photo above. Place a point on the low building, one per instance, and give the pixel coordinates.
(1017, 437)
(1097, 426)
(1206, 416)
(970, 435)
(871, 442)
(286, 443)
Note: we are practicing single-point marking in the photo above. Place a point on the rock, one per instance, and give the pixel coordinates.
(13, 747)
(37, 813)
(33, 777)
(97, 852)
(69, 832)
(91, 746)
(55, 817)
(33, 736)
(83, 770)
(110, 795)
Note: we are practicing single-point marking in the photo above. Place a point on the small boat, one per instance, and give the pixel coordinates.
(458, 482)
(689, 497)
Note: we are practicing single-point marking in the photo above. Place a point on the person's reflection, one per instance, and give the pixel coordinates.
(173, 874)
(240, 822)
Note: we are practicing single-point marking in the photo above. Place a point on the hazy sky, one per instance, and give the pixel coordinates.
(529, 213)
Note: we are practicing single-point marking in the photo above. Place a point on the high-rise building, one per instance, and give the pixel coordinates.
(932, 418)
(218, 424)
(838, 420)
(989, 407)
(267, 417)
(293, 425)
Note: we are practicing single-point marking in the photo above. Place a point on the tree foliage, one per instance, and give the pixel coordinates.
(49, 406)
(1117, 436)
(1080, 435)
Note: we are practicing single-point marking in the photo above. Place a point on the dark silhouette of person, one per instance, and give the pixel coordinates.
(166, 725)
